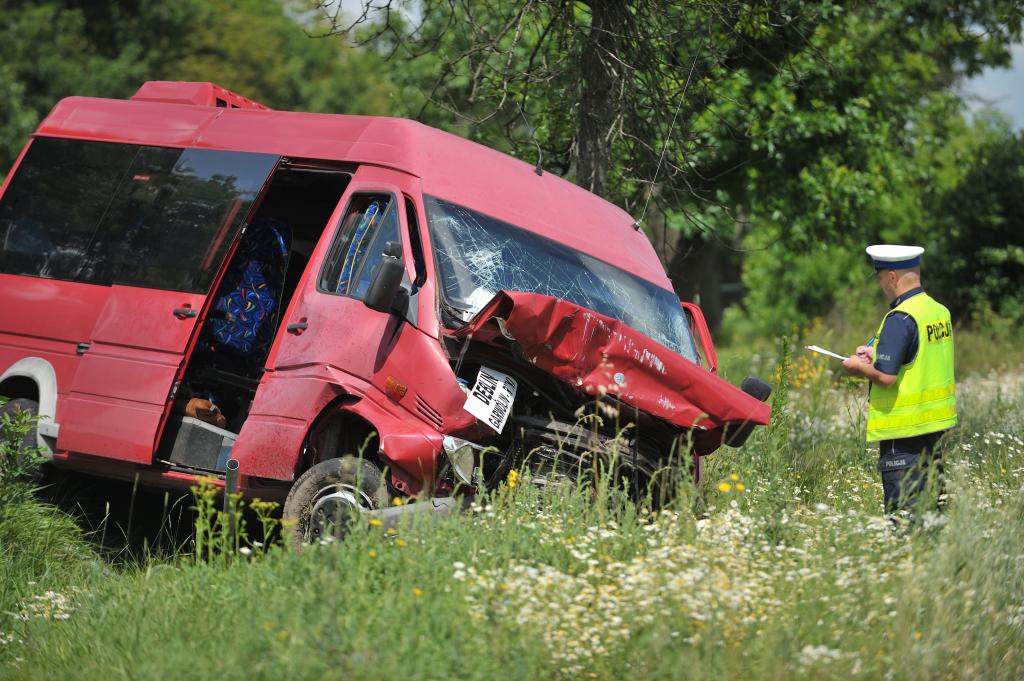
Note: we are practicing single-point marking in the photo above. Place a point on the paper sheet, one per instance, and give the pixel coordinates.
(823, 351)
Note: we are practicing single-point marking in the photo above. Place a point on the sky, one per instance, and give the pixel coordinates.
(1002, 88)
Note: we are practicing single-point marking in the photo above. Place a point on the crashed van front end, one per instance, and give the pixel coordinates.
(586, 387)
(573, 351)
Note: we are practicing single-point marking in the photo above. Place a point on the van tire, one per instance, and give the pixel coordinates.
(30, 442)
(358, 477)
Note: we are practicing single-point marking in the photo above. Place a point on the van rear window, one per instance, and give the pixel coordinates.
(104, 213)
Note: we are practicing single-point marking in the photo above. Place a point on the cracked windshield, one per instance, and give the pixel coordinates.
(477, 256)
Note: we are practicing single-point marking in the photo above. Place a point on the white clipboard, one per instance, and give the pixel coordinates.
(823, 351)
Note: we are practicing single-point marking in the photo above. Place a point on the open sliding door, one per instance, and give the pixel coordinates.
(163, 239)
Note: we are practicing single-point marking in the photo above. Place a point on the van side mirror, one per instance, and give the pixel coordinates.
(387, 279)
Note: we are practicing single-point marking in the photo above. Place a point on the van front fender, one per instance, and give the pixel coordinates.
(405, 442)
(270, 444)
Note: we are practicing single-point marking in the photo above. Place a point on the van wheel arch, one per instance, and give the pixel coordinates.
(33, 378)
(339, 432)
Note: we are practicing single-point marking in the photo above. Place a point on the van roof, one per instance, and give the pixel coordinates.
(449, 167)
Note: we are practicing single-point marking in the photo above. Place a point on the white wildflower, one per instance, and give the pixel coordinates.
(812, 655)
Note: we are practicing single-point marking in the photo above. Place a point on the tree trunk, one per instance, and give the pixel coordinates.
(599, 100)
(696, 274)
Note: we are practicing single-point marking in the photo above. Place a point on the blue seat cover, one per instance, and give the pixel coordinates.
(253, 283)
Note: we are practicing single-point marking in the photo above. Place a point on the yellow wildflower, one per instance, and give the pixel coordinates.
(375, 522)
(513, 478)
(734, 477)
(372, 554)
(417, 592)
(391, 531)
(740, 487)
(724, 487)
(399, 542)
(397, 501)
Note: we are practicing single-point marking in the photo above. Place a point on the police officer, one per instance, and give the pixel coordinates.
(910, 367)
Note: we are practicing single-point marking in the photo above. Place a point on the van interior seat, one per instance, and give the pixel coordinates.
(247, 307)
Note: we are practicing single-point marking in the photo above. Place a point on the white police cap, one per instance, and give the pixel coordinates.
(892, 257)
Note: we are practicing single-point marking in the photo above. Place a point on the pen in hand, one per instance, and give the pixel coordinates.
(865, 352)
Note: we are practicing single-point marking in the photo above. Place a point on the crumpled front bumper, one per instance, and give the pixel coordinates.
(603, 356)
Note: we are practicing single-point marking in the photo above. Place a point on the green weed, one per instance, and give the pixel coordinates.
(17, 462)
(221, 531)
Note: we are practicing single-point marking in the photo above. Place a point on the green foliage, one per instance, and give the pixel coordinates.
(829, 147)
(980, 264)
(959, 202)
(217, 531)
(262, 50)
(808, 129)
(787, 288)
(221, 534)
(39, 545)
(17, 464)
(869, 155)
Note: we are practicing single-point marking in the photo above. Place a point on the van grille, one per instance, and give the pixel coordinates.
(428, 412)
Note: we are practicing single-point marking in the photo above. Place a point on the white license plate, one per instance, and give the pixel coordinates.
(492, 397)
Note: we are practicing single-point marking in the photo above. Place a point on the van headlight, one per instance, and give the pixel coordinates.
(462, 456)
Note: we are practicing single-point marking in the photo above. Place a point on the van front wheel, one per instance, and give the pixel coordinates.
(326, 497)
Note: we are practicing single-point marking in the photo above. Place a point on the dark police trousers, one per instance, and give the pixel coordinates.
(906, 465)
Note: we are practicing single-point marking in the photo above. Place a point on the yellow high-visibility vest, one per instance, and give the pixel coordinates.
(923, 397)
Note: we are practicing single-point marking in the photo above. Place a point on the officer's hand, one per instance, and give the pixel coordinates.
(853, 364)
(866, 353)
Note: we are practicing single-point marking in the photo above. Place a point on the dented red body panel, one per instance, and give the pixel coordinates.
(600, 355)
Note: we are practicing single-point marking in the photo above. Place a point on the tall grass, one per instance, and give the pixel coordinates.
(41, 548)
(779, 566)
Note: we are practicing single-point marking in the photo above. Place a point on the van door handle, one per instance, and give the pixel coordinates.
(82, 348)
(298, 327)
(185, 312)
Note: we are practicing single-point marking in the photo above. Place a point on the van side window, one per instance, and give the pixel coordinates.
(104, 213)
(49, 213)
(371, 221)
(173, 218)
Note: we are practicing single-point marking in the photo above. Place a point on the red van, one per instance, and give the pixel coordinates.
(352, 308)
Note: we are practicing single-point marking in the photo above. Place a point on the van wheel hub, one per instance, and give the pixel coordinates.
(334, 507)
